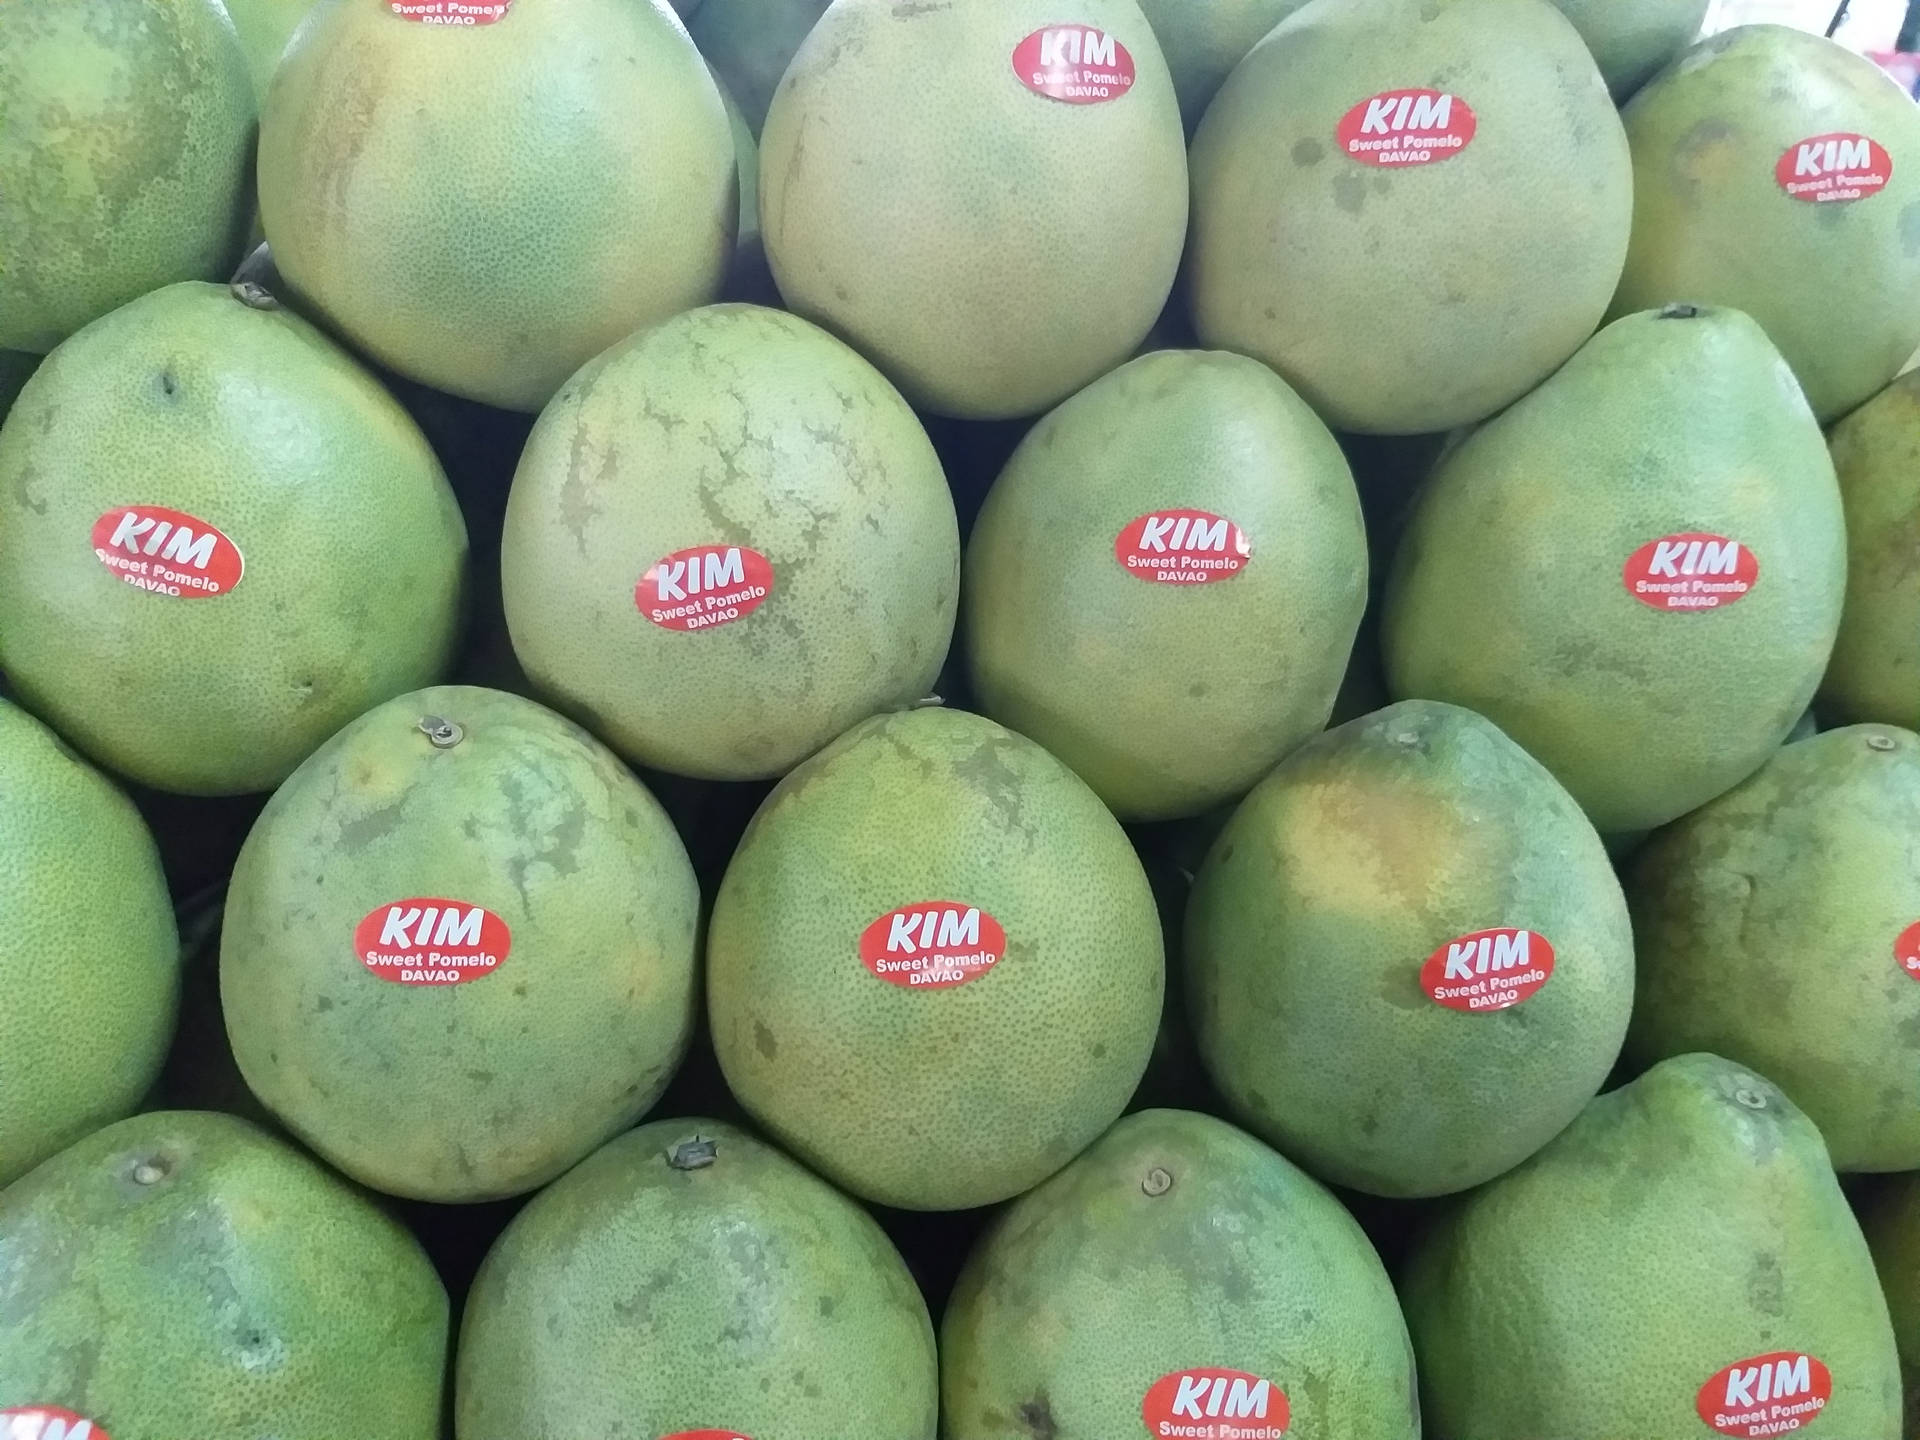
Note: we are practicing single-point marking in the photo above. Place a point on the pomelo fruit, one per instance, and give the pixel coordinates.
(1632, 39)
(1164, 584)
(685, 1277)
(16, 368)
(1683, 1239)
(1891, 1220)
(1780, 926)
(485, 208)
(1410, 258)
(126, 135)
(1036, 146)
(89, 958)
(728, 540)
(265, 27)
(185, 1274)
(1408, 960)
(1636, 572)
(1204, 39)
(1779, 173)
(1875, 670)
(220, 540)
(1176, 1253)
(934, 967)
(749, 44)
(459, 947)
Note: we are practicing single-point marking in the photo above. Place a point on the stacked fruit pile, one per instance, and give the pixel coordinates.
(472, 682)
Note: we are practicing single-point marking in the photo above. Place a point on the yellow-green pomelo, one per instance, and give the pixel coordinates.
(1891, 1220)
(1409, 963)
(728, 540)
(485, 208)
(986, 199)
(1779, 173)
(1682, 1239)
(1636, 572)
(265, 27)
(1176, 1251)
(1875, 670)
(126, 135)
(185, 1274)
(1413, 211)
(459, 947)
(220, 540)
(1632, 39)
(1164, 584)
(89, 959)
(1780, 926)
(934, 967)
(1204, 39)
(686, 1277)
(750, 43)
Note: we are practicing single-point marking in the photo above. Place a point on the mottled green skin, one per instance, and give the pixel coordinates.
(126, 140)
(1167, 699)
(731, 425)
(1875, 670)
(243, 1293)
(1363, 853)
(486, 209)
(256, 423)
(1685, 1222)
(635, 1299)
(1891, 1220)
(1632, 39)
(265, 27)
(1204, 39)
(1766, 924)
(495, 1085)
(1090, 1289)
(89, 959)
(749, 43)
(949, 1098)
(16, 368)
(1508, 597)
(1837, 285)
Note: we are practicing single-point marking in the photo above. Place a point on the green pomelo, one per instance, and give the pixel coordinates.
(750, 43)
(485, 209)
(1683, 1226)
(488, 1080)
(185, 1274)
(16, 368)
(265, 27)
(1398, 837)
(1548, 577)
(1045, 233)
(1632, 39)
(89, 959)
(1835, 282)
(1397, 297)
(728, 451)
(1891, 1220)
(1204, 39)
(856, 1011)
(689, 1279)
(1175, 1245)
(1875, 670)
(339, 551)
(1166, 696)
(1773, 925)
(126, 132)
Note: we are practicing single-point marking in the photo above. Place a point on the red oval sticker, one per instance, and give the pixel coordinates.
(933, 945)
(447, 12)
(1906, 950)
(47, 1422)
(168, 552)
(1074, 63)
(1215, 1403)
(1488, 970)
(1182, 547)
(1839, 167)
(431, 942)
(705, 586)
(1397, 128)
(1690, 571)
(1771, 1394)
